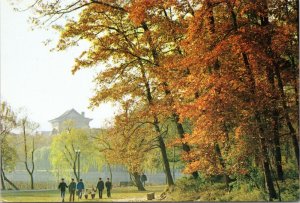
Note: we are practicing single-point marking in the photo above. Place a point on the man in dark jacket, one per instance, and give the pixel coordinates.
(143, 179)
(62, 186)
(108, 187)
(72, 189)
(100, 187)
(80, 188)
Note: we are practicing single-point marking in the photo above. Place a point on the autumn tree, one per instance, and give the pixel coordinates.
(140, 47)
(131, 138)
(229, 42)
(128, 77)
(229, 67)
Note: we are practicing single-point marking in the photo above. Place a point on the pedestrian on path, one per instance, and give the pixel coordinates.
(143, 179)
(62, 186)
(108, 187)
(100, 187)
(80, 188)
(72, 189)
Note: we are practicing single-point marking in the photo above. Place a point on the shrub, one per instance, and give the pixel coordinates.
(186, 184)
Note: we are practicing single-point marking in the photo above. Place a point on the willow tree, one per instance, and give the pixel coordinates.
(64, 152)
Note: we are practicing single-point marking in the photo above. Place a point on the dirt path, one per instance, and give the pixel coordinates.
(130, 200)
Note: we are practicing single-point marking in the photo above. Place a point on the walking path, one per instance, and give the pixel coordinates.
(131, 200)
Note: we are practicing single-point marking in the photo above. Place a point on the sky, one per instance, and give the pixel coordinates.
(39, 82)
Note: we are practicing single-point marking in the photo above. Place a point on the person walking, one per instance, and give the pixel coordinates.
(80, 188)
(62, 186)
(143, 179)
(108, 187)
(72, 189)
(100, 187)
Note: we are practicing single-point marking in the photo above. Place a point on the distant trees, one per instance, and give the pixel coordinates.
(8, 155)
(11, 153)
(8, 162)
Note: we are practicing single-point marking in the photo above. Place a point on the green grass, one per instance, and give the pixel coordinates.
(118, 194)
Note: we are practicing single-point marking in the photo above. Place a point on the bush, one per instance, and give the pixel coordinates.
(186, 189)
(289, 190)
(186, 184)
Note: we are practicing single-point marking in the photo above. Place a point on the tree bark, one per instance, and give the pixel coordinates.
(2, 178)
(2, 182)
(8, 181)
(31, 181)
(276, 139)
(74, 168)
(222, 162)
(162, 146)
(138, 182)
(185, 147)
(110, 172)
(286, 115)
(266, 162)
(275, 119)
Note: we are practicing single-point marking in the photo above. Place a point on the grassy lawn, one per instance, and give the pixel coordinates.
(118, 194)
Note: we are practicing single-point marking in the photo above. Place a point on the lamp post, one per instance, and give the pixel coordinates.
(78, 158)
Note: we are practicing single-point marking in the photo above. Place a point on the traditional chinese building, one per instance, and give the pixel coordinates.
(78, 120)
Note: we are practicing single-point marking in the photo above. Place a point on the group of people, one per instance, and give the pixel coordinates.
(81, 189)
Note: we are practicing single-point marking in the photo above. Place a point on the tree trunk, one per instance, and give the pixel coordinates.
(161, 142)
(276, 139)
(267, 171)
(162, 147)
(275, 119)
(222, 162)
(2, 178)
(265, 159)
(31, 181)
(2, 182)
(8, 181)
(263, 147)
(138, 182)
(286, 114)
(74, 168)
(287, 151)
(110, 172)
(185, 147)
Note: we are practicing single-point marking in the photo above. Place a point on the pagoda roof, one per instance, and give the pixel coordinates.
(70, 114)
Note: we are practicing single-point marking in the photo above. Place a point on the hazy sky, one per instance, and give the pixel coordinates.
(40, 80)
